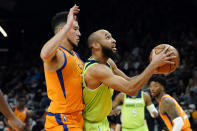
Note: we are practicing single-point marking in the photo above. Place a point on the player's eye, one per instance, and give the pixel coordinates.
(107, 37)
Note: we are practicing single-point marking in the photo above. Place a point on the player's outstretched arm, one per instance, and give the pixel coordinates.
(105, 75)
(132, 86)
(49, 50)
(14, 122)
(137, 82)
(169, 107)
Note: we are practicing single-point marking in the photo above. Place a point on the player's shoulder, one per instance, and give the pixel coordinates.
(98, 67)
(58, 56)
(98, 70)
(167, 101)
(112, 63)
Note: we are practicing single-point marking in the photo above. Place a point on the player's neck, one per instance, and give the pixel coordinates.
(20, 108)
(98, 57)
(158, 98)
(68, 46)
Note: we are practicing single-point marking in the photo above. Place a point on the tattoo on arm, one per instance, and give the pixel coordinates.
(169, 107)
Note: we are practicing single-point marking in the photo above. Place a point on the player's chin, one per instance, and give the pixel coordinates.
(76, 43)
(153, 94)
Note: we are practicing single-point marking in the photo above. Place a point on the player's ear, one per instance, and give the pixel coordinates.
(95, 45)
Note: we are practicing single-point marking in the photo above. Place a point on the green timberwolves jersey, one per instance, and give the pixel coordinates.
(98, 102)
(133, 111)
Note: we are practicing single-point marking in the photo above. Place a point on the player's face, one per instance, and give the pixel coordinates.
(74, 35)
(21, 102)
(155, 88)
(108, 43)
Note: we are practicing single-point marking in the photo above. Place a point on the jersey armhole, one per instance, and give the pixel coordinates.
(65, 62)
(83, 78)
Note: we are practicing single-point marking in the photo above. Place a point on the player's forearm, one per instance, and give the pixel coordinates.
(49, 49)
(115, 104)
(5, 108)
(152, 110)
(136, 83)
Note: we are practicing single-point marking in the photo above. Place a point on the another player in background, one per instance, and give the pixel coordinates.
(63, 68)
(13, 121)
(170, 111)
(133, 110)
(22, 112)
(101, 76)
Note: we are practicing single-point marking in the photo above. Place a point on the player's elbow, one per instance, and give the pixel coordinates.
(44, 56)
(132, 92)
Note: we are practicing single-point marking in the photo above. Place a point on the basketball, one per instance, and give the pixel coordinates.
(167, 68)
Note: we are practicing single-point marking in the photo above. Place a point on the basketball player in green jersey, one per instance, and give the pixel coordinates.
(101, 75)
(133, 109)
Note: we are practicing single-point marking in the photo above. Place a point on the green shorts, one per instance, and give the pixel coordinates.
(142, 128)
(96, 126)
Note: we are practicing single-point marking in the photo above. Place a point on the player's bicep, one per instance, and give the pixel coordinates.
(115, 82)
(106, 76)
(56, 63)
(170, 108)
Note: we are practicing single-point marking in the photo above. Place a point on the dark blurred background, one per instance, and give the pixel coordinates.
(137, 26)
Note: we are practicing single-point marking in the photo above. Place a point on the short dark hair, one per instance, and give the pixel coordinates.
(92, 38)
(59, 18)
(158, 78)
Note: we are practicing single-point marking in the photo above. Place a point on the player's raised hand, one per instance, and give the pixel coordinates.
(72, 15)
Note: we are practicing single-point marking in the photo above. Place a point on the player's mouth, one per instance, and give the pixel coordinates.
(114, 49)
(77, 39)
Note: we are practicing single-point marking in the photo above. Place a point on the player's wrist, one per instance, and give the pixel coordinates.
(152, 67)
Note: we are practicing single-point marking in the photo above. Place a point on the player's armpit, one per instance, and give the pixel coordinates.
(56, 63)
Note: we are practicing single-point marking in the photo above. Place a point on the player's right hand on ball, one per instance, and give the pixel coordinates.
(162, 58)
